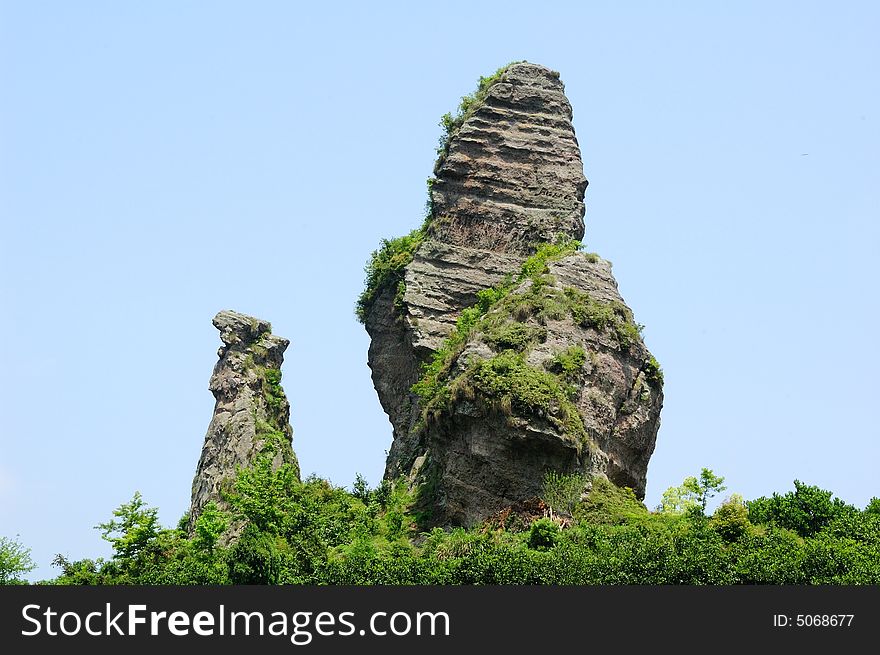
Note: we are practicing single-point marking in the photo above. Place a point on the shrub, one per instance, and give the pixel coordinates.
(731, 519)
(806, 511)
(386, 267)
(543, 534)
(562, 492)
(255, 558)
(653, 372)
(692, 494)
(608, 504)
(209, 527)
(137, 526)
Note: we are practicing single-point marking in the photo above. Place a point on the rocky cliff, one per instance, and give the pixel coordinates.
(251, 412)
(497, 358)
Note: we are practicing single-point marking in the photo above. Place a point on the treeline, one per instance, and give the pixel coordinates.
(283, 531)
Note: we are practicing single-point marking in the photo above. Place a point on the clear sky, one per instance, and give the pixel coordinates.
(162, 161)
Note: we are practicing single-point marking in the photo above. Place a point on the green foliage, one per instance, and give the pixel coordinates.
(209, 527)
(612, 315)
(432, 388)
(568, 363)
(653, 372)
(262, 494)
(710, 485)
(256, 558)
(273, 392)
(806, 511)
(680, 499)
(523, 389)
(731, 519)
(692, 494)
(273, 377)
(361, 489)
(514, 336)
(399, 295)
(537, 264)
(81, 572)
(873, 506)
(562, 492)
(385, 268)
(608, 504)
(310, 532)
(544, 534)
(131, 535)
(15, 561)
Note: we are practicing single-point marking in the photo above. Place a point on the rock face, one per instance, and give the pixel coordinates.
(554, 377)
(510, 179)
(251, 412)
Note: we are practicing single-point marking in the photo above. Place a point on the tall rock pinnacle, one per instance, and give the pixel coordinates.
(512, 177)
(548, 372)
(251, 412)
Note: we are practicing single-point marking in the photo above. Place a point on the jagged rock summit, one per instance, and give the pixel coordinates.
(251, 412)
(498, 349)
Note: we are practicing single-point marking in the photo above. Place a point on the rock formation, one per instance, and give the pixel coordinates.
(251, 412)
(548, 371)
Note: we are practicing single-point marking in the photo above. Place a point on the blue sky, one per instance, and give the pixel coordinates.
(162, 161)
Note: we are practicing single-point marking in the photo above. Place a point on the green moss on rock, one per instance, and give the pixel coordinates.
(514, 336)
(523, 390)
(568, 363)
(613, 316)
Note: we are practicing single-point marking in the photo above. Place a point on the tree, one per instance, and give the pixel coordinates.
(710, 486)
(807, 510)
(731, 519)
(131, 535)
(209, 527)
(15, 561)
(693, 493)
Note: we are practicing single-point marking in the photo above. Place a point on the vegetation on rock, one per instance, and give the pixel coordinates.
(506, 379)
(387, 263)
(386, 268)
